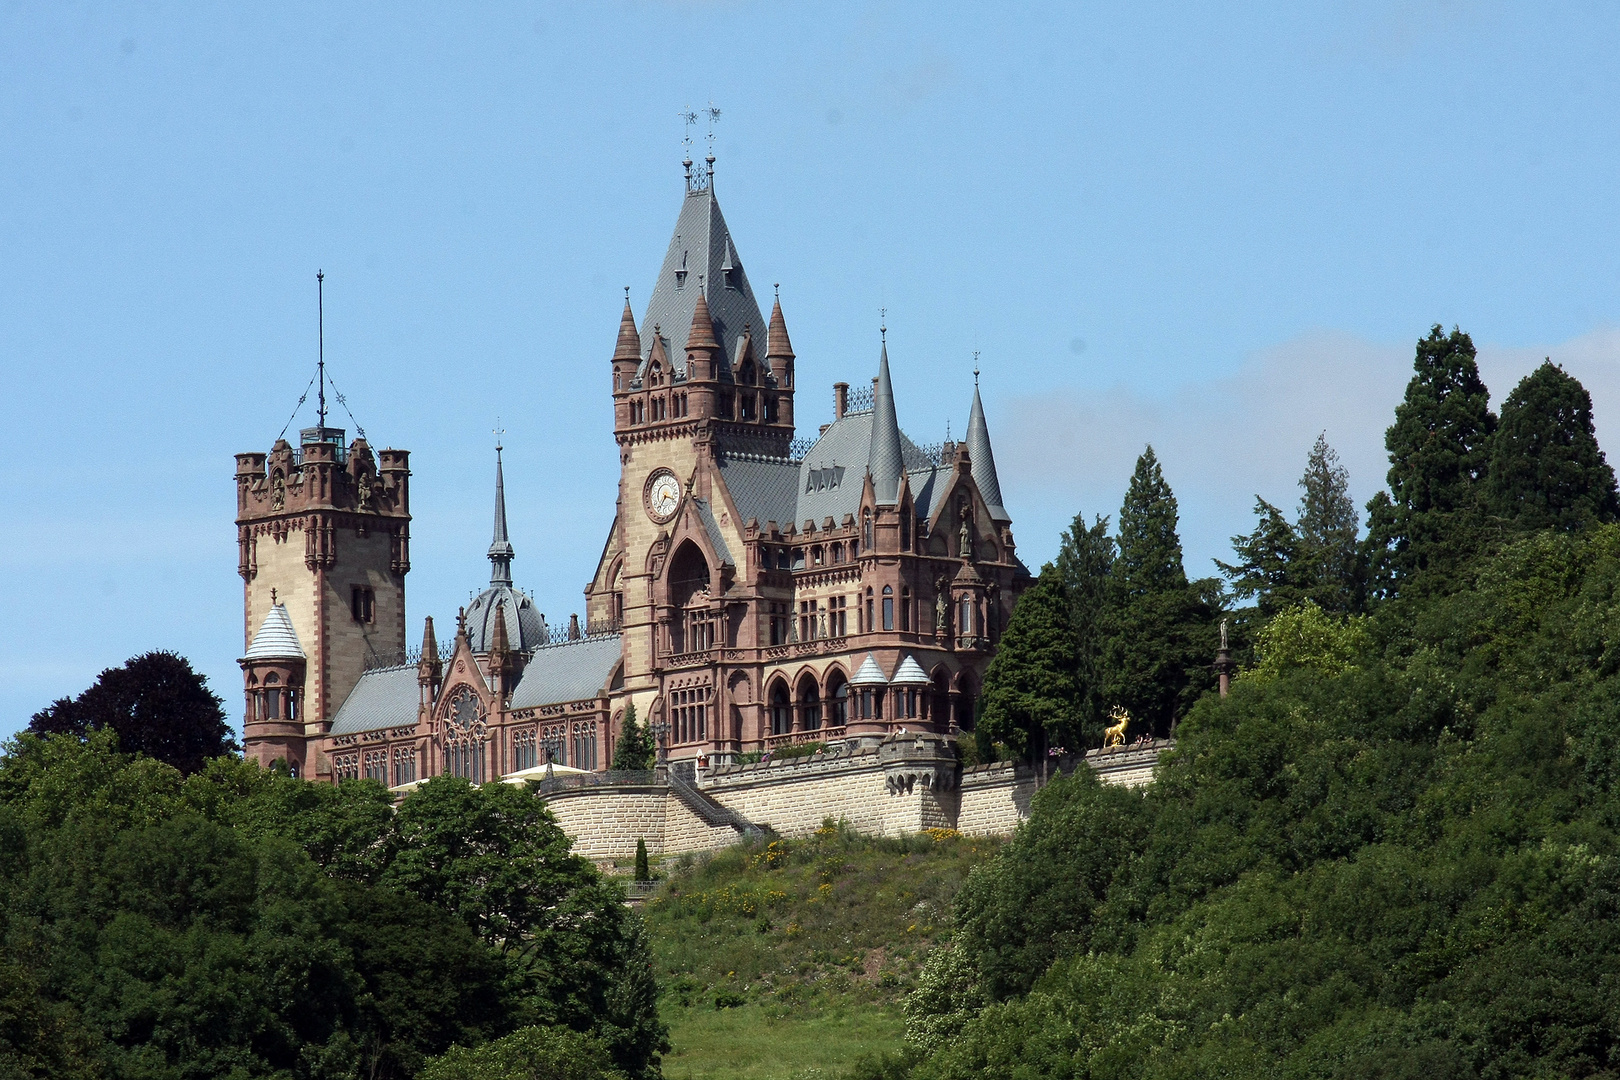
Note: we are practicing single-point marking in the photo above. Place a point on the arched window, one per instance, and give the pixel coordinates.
(888, 608)
(838, 692)
(905, 609)
(871, 623)
(866, 529)
(781, 710)
(809, 705)
(655, 374)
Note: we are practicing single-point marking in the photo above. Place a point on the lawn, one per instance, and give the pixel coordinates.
(785, 957)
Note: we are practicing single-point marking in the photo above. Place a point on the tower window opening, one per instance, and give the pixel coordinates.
(837, 553)
(871, 623)
(905, 609)
(362, 604)
(866, 529)
(725, 407)
(888, 608)
(905, 530)
(771, 414)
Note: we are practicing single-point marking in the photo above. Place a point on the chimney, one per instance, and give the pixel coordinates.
(840, 399)
(573, 627)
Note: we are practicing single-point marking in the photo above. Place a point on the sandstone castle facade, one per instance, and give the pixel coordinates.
(754, 589)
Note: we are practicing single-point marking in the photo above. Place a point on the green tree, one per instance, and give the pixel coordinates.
(494, 856)
(1422, 535)
(1270, 569)
(634, 750)
(1161, 635)
(1547, 470)
(643, 870)
(157, 705)
(532, 1053)
(1307, 637)
(1030, 697)
(1084, 563)
(1328, 529)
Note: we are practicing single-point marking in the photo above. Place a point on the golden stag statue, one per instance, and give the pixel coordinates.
(1115, 735)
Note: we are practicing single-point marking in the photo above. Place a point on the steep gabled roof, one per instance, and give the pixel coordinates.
(700, 251)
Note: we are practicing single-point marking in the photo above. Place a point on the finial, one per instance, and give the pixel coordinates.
(975, 369)
(498, 433)
(714, 115)
(272, 596)
(776, 287)
(320, 338)
(947, 429)
(627, 294)
(883, 319)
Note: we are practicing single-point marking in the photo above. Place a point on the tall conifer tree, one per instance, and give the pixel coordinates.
(1328, 525)
(1422, 534)
(634, 752)
(1269, 567)
(1160, 638)
(1030, 694)
(1084, 563)
(1547, 470)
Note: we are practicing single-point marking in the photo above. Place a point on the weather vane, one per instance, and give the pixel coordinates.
(499, 433)
(714, 116)
(883, 320)
(975, 367)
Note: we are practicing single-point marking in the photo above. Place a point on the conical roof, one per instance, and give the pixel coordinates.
(701, 335)
(696, 263)
(885, 459)
(869, 674)
(276, 639)
(909, 673)
(983, 460)
(776, 340)
(629, 343)
(500, 547)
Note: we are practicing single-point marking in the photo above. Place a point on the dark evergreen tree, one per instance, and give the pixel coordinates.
(156, 704)
(1085, 560)
(1547, 470)
(1424, 532)
(1030, 695)
(643, 869)
(634, 750)
(1161, 627)
(1327, 530)
(1269, 569)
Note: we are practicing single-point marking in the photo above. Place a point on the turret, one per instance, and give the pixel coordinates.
(429, 669)
(984, 462)
(779, 354)
(626, 352)
(702, 363)
(884, 459)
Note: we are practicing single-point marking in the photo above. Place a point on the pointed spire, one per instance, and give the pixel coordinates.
(984, 461)
(430, 644)
(701, 335)
(777, 345)
(629, 346)
(500, 548)
(499, 643)
(884, 459)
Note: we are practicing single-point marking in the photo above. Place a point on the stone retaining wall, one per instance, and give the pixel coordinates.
(903, 785)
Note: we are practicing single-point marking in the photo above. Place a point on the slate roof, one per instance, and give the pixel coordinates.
(701, 248)
(383, 698)
(984, 461)
(869, 674)
(525, 626)
(571, 671)
(712, 527)
(909, 673)
(276, 639)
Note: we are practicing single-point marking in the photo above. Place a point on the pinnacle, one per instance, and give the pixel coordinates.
(629, 346)
(777, 343)
(701, 335)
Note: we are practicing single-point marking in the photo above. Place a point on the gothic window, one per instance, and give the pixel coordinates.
(809, 705)
(525, 752)
(781, 710)
(866, 529)
(376, 766)
(655, 374)
(404, 765)
(905, 609)
(905, 530)
(888, 608)
(362, 604)
(346, 767)
(585, 745)
(871, 623)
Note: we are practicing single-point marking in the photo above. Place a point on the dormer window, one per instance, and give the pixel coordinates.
(680, 275)
(745, 374)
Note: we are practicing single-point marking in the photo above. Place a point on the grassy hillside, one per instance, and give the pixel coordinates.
(779, 958)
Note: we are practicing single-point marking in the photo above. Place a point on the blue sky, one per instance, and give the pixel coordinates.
(1218, 228)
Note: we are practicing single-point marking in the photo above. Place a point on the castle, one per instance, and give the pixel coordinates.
(754, 590)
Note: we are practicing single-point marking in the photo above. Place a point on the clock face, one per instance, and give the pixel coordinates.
(663, 495)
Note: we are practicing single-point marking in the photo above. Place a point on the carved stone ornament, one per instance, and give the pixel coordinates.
(278, 493)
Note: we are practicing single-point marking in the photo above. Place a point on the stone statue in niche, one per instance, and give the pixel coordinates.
(942, 606)
(278, 493)
(964, 537)
(363, 491)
